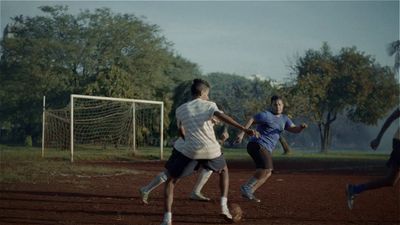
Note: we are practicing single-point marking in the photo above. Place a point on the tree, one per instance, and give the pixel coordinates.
(350, 83)
(96, 53)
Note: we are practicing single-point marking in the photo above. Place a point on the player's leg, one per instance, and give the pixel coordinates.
(157, 181)
(352, 190)
(219, 165)
(262, 176)
(177, 166)
(224, 188)
(202, 179)
(168, 200)
(263, 161)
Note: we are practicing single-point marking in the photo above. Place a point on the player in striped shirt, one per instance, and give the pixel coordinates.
(194, 120)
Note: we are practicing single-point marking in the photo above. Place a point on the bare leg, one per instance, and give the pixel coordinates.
(169, 198)
(224, 182)
(224, 187)
(262, 176)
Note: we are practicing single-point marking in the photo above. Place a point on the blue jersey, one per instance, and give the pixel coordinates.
(270, 126)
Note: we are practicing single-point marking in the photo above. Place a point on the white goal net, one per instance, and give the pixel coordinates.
(102, 123)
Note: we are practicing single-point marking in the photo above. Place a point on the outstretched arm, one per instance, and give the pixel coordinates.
(375, 143)
(227, 119)
(239, 137)
(297, 129)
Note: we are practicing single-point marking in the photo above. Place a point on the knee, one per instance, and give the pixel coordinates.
(265, 173)
(224, 170)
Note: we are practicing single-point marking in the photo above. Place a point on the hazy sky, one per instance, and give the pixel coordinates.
(246, 37)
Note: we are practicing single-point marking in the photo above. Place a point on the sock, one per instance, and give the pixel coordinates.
(358, 188)
(168, 216)
(157, 181)
(202, 180)
(224, 202)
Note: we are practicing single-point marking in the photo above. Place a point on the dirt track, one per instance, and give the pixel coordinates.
(291, 196)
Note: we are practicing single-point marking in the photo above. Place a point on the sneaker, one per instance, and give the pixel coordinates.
(199, 197)
(144, 195)
(247, 193)
(226, 215)
(350, 195)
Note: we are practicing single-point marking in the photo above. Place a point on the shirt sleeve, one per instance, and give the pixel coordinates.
(289, 123)
(212, 109)
(260, 117)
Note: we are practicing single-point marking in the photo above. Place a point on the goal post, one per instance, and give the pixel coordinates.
(93, 122)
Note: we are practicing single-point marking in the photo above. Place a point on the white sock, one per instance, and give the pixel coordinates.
(157, 181)
(202, 180)
(224, 202)
(224, 207)
(168, 216)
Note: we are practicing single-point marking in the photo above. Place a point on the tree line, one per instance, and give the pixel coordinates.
(102, 53)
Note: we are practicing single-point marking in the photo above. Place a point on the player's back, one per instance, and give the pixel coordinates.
(195, 117)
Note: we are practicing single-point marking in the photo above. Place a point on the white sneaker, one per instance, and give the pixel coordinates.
(226, 215)
(247, 193)
(199, 197)
(144, 195)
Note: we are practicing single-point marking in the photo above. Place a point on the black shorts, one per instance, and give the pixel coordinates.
(179, 165)
(394, 160)
(261, 156)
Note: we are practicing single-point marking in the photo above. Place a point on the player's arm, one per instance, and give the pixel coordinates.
(297, 129)
(375, 143)
(227, 119)
(239, 137)
(224, 136)
(181, 130)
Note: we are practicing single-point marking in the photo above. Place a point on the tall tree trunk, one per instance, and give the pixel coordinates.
(325, 132)
(286, 148)
(325, 146)
(322, 136)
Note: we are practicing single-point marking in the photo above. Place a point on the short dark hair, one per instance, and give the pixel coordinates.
(198, 86)
(276, 98)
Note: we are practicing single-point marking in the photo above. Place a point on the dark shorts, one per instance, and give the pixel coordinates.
(261, 156)
(394, 160)
(179, 165)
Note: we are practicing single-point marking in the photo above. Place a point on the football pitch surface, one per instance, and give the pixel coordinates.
(297, 193)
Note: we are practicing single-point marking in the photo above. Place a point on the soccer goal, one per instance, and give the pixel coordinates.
(91, 123)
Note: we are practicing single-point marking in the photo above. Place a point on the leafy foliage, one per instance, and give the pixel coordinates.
(95, 53)
(350, 83)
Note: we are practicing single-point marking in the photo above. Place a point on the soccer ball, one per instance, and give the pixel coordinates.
(236, 212)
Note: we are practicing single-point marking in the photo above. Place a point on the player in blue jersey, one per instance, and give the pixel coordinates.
(270, 124)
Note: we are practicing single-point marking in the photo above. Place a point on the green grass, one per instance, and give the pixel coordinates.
(25, 164)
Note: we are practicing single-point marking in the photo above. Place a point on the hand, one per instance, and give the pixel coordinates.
(251, 132)
(224, 136)
(375, 143)
(238, 139)
(303, 126)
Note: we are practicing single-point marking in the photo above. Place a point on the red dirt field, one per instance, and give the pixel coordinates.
(295, 194)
